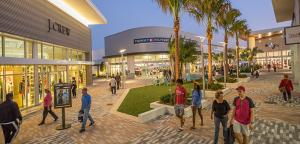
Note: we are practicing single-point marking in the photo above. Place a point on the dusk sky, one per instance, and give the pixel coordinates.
(126, 14)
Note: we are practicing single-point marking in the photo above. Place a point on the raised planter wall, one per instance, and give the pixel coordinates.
(162, 109)
(212, 93)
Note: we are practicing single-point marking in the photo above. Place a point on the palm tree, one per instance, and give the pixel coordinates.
(174, 7)
(239, 28)
(225, 19)
(187, 50)
(206, 12)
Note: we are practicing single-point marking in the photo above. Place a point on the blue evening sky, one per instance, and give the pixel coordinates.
(125, 14)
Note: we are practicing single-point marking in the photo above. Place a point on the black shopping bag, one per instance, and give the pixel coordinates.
(230, 135)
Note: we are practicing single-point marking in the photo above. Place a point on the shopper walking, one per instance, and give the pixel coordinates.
(242, 116)
(180, 99)
(196, 103)
(219, 113)
(10, 118)
(47, 103)
(74, 87)
(118, 79)
(113, 84)
(269, 67)
(286, 88)
(85, 107)
(274, 67)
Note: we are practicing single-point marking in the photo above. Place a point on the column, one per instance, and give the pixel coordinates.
(36, 86)
(89, 75)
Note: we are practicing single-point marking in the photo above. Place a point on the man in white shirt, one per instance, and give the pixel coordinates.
(113, 84)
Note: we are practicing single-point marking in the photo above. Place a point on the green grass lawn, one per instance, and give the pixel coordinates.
(138, 99)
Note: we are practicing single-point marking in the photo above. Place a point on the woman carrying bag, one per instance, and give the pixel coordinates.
(286, 88)
(47, 107)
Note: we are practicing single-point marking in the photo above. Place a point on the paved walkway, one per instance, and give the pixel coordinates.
(276, 122)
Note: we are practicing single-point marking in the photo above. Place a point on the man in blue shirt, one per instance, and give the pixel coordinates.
(85, 107)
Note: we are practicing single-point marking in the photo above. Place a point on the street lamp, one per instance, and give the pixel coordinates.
(123, 68)
(202, 62)
(224, 63)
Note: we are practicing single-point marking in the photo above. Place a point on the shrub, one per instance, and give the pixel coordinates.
(165, 99)
(241, 76)
(215, 86)
(228, 79)
(245, 69)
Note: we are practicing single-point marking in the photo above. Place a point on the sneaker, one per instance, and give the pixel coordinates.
(55, 119)
(82, 130)
(92, 123)
(180, 129)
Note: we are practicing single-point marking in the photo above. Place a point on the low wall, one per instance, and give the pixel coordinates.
(162, 109)
(212, 93)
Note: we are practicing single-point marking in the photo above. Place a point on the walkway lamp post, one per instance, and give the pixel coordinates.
(202, 62)
(123, 68)
(224, 63)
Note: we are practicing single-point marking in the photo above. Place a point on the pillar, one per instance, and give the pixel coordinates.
(89, 75)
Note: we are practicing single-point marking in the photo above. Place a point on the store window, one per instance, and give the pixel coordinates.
(79, 72)
(0, 46)
(48, 52)
(39, 47)
(29, 49)
(73, 55)
(59, 53)
(81, 56)
(14, 48)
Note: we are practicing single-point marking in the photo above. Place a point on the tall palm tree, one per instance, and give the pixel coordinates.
(187, 52)
(225, 20)
(174, 7)
(206, 12)
(239, 28)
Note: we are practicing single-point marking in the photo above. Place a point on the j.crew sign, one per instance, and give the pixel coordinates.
(58, 28)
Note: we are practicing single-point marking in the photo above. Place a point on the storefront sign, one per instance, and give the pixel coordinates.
(150, 40)
(58, 28)
(62, 95)
(292, 35)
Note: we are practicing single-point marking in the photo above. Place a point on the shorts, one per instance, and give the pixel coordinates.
(179, 110)
(197, 106)
(241, 128)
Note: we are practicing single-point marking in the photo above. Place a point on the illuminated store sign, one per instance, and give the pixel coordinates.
(150, 40)
(58, 28)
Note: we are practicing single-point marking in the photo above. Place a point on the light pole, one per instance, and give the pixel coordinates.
(123, 68)
(202, 62)
(224, 64)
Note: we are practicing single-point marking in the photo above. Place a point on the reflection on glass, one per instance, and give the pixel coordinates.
(14, 48)
(0, 46)
(39, 47)
(47, 52)
(28, 49)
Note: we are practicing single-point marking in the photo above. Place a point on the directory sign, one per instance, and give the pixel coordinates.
(62, 95)
(292, 35)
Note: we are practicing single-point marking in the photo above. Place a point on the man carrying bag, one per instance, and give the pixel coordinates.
(10, 118)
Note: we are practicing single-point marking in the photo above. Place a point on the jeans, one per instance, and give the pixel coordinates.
(113, 90)
(86, 115)
(74, 92)
(45, 113)
(223, 121)
(287, 95)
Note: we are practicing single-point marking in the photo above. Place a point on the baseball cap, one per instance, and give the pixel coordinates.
(241, 88)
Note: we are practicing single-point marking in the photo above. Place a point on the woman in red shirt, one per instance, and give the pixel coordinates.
(286, 87)
(47, 107)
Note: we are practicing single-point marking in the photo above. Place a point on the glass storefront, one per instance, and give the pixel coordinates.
(79, 72)
(18, 80)
(282, 59)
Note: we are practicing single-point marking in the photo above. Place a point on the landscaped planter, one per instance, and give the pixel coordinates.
(209, 93)
(162, 109)
(248, 74)
(244, 79)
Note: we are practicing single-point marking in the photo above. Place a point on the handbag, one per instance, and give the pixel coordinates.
(283, 88)
(230, 135)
